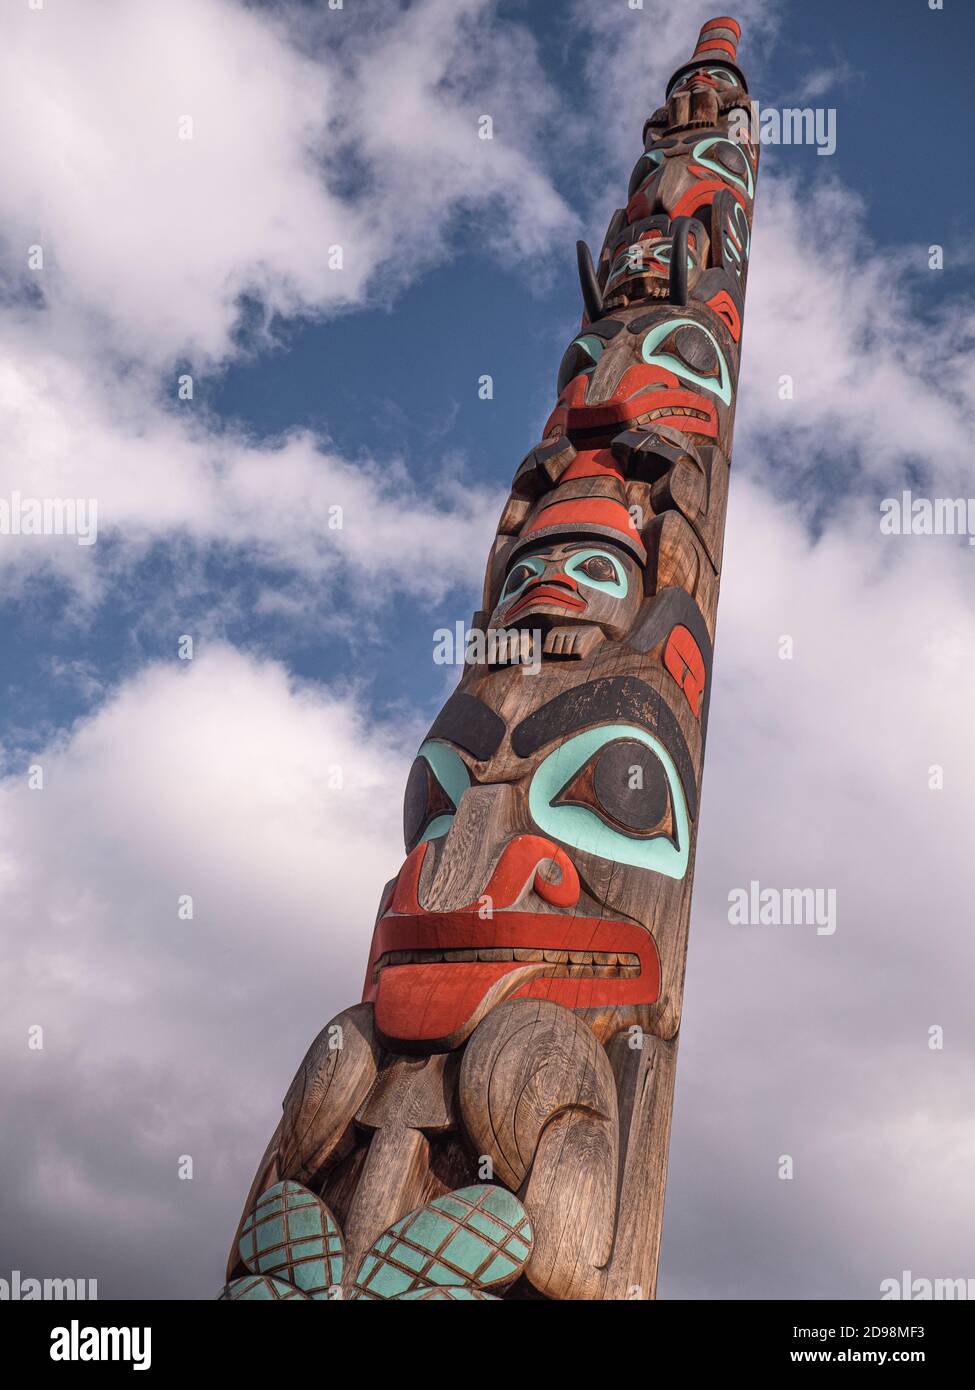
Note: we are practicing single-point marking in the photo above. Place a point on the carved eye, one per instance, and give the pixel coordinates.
(723, 75)
(647, 164)
(599, 567)
(625, 783)
(437, 781)
(725, 158)
(690, 351)
(614, 792)
(600, 571)
(519, 577)
(580, 357)
(696, 349)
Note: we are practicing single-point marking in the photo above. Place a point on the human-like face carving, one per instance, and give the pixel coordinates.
(585, 581)
(640, 261)
(537, 867)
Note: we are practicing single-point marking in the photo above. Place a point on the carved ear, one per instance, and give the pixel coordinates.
(538, 1097)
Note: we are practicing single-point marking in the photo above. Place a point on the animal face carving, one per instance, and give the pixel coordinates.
(657, 369)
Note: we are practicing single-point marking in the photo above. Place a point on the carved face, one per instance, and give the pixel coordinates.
(714, 75)
(640, 261)
(681, 175)
(662, 370)
(540, 865)
(585, 581)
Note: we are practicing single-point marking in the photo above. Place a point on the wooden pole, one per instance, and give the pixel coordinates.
(493, 1119)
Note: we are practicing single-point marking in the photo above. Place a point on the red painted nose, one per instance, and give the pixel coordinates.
(532, 858)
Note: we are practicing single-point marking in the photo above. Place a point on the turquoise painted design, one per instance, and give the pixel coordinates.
(451, 772)
(723, 75)
(643, 258)
(259, 1288)
(582, 828)
(579, 359)
(472, 1239)
(534, 565)
(646, 166)
(291, 1234)
(617, 587)
(591, 345)
(737, 238)
(720, 387)
(747, 184)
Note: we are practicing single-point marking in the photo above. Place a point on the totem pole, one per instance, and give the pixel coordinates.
(493, 1119)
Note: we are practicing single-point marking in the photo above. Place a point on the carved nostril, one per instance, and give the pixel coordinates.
(556, 880)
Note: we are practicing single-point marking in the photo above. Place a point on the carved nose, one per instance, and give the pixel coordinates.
(554, 576)
(470, 867)
(485, 819)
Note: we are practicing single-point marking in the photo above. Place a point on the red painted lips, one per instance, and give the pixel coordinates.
(434, 975)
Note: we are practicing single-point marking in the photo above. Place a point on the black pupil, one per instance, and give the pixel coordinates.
(598, 567)
(631, 784)
(518, 576)
(695, 348)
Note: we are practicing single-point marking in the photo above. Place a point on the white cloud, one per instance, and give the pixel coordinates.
(880, 381)
(162, 1036)
(149, 239)
(72, 430)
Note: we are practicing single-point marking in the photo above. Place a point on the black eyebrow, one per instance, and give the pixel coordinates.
(471, 724)
(612, 699)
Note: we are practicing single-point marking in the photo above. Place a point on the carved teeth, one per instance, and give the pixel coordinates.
(661, 410)
(601, 965)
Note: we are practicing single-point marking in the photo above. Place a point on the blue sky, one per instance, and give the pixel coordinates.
(313, 650)
(400, 376)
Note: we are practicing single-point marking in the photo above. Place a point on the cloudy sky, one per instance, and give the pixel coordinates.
(318, 386)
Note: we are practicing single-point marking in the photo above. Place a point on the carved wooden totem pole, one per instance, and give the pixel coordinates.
(492, 1121)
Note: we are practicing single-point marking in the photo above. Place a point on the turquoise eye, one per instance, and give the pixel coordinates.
(580, 357)
(524, 571)
(628, 807)
(699, 351)
(437, 781)
(647, 164)
(723, 75)
(724, 158)
(599, 570)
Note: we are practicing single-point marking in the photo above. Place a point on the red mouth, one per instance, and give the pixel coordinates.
(434, 975)
(545, 593)
(665, 404)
